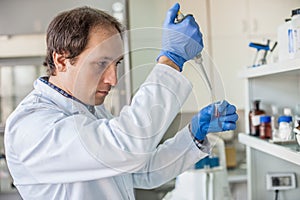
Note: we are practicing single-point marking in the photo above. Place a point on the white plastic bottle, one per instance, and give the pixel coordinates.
(283, 40)
(274, 121)
(294, 35)
(285, 128)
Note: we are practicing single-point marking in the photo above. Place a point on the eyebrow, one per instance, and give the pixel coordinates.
(111, 59)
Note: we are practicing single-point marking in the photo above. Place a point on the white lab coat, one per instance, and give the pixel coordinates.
(56, 149)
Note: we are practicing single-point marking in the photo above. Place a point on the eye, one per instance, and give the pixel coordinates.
(103, 64)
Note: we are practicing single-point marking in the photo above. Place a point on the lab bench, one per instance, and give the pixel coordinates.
(237, 179)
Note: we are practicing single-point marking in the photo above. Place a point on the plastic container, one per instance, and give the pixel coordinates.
(265, 128)
(274, 118)
(254, 118)
(287, 111)
(294, 34)
(296, 129)
(208, 162)
(285, 128)
(283, 40)
(298, 138)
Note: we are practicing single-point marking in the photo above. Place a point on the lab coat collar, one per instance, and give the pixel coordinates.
(69, 105)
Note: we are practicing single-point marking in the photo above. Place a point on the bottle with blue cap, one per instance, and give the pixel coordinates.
(285, 127)
(265, 128)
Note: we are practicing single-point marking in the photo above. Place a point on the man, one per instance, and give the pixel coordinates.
(60, 141)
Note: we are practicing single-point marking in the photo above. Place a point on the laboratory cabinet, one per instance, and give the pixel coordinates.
(275, 84)
(236, 23)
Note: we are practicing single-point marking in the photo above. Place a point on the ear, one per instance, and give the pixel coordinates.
(60, 62)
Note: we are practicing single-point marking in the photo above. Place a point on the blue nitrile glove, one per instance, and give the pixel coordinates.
(181, 41)
(210, 121)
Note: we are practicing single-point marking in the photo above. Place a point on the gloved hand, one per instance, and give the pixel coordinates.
(209, 121)
(181, 41)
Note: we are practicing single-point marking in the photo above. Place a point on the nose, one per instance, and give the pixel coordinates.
(110, 75)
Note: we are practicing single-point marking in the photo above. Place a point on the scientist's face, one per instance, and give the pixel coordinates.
(95, 70)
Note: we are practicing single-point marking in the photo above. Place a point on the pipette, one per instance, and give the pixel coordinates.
(199, 61)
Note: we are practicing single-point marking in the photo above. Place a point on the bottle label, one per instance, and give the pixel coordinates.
(285, 131)
(255, 120)
(291, 41)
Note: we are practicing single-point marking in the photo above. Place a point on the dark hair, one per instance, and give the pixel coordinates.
(68, 32)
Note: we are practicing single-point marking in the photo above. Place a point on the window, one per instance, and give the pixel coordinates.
(16, 81)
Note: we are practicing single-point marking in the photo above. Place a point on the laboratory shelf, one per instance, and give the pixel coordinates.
(272, 68)
(288, 152)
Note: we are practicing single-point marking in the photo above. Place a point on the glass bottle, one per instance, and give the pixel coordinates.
(254, 118)
(265, 128)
